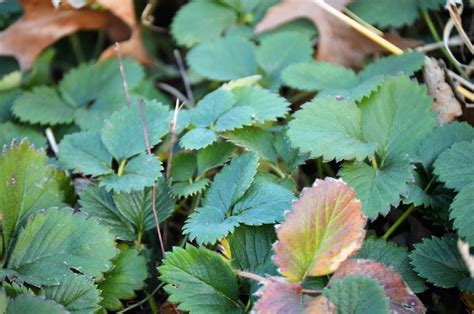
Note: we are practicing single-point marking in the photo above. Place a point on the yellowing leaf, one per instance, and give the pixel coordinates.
(324, 228)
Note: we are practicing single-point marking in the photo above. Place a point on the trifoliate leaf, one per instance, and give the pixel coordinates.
(441, 139)
(27, 185)
(462, 213)
(224, 59)
(391, 255)
(325, 226)
(184, 166)
(196, 289)
(198, 138)
(454, 166)
(380, 188)
(139, 172)
(251, 249)
(185, 189)
(129, 274)
(277, 295)
(439, 262)
(406, 63)
(235, 118)
(137, 207)
(67, 241)
(211, 107)
(97, 202)
(43, 105)
(402, 299)
(84, 152)
(330, 128)
(254, 139)
(201, 21)
(358, 295)
(213, 156)
(123, 134)
(232, 182)
(10, 131)
(268, 106)
(279, 50)
(77, 293)
(292, 157)
(385, 13)
(34, 304)
(397, 117)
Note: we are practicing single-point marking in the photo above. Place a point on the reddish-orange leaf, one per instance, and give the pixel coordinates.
(324, 228)
(338, 42)
(277, 295)
(402, 299)
(42, 24)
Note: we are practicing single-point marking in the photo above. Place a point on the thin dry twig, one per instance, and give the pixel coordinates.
(184, 76)
(176, 93)
(153, 196)
(122, 73)
(455, 14)
(148, 19)
(52, 141)
(172, 140)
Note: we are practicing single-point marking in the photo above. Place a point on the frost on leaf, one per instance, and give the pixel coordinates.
(324, 228)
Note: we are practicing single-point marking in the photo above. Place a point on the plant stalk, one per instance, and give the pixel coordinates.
(399, 221)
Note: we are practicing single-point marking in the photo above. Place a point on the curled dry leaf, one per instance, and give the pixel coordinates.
(324, 228)
(338, 43)
(42, 24)
(444, 101)
(402, 299)
(278, 295)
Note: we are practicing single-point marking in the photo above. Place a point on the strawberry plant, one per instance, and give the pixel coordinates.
(231, 156)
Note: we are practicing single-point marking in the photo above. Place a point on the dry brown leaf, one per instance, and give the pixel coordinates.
(444, 101)
(41, 25)
(338, 42)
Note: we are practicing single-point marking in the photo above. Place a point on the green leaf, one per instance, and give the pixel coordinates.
(84, 152)
(392, 255)
(137, 208)
(201, 21)
(279, 50)
(462, 213)
(330, 128)
(97, 202)
(358, 294)
(198, 138)
(251, 249)
(292, 157)
(454, 166)
(10, 131)
(42, 105)
(325, 227)
(267, 106)
(254, 139)
(123, 133)
(235, 118)
(211, 107)
(213, 156)
(67, 241)
(441, 139)
(397, 117)
(224, 59)
(27, 185)
(406, 63)
(183, 166)
(386, 13)
(129, 274)
(76, 293)
(196, 289)
(34, 304)
(439, 262)
(139, 172)
(185, 189)
(431, 4)
(378, 189)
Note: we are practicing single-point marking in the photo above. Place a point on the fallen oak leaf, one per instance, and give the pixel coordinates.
(402, 299)
(338, 42)
(50, 24)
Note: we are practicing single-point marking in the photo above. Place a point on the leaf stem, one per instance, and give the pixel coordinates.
(121, 167)
(277, 170)
(76, 48)
(399, 221)
(142, 301)
(248, 275)
(319, 167)
(311, 291)
(374, 163)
